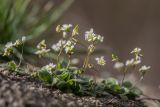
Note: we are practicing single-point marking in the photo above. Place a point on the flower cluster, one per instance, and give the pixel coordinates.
(42, 49)
(90, 36)
(56, 47)
(65, 29)
(93, 39)
(10, 46)
(69, 47)
(68, 42)
(50, 67)
(132, 63)
(101, 61)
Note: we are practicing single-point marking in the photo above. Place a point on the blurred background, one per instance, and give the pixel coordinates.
(125, 24)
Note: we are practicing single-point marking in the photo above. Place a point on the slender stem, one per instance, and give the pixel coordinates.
(20, 60)
(86, 61)
(69, 61)
(124, 75)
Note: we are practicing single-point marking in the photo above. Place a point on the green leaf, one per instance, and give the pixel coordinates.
(12, 66)
(55, 81)
(62, 85)
(111, 81)
(127, 84)
(135, 92)
(45, 76)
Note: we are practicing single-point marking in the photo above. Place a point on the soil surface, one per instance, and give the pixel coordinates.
(24, 91)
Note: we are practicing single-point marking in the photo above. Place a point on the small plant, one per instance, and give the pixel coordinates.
(10, 49)
(132, 64)
(66, 77)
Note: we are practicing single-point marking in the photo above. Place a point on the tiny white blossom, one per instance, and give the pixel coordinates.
(66, 27)
(56, 47)
(23, 38)
(101, 61)
(144, 68)
(90, 36)
(50, 67)
(136, 50)
(69, 46)
(130, 62)
(42, 45)
(100, 38)
(136, 62)
(118, 65)
(42, 52)
(64, 34)
(9, 44)
(17, 43)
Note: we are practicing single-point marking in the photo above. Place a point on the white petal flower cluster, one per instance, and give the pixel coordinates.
(9, 46)
(56, 47)
(101, 61)
(144, 68)
(136, 50)
(132, 62)
(90, 36)
(42, 52)
(137, 53)
(66, 27)
(42, 49)
(69, 47)
(49, 67)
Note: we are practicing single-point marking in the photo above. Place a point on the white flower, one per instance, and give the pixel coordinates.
(136, 50)
(69, 46)
(118, 65)
(101, 61)
(42, 45)
(9, 44)
(136, 62)
(90, 36)
(64, 34)
(100, 38)
(17, 43)
(56, 47)
(50, 67)
(144, 68)
(130, 62)
(23, 39)
(42, 52)
(66, 27)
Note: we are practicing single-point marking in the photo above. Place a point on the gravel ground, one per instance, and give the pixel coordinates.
(24, 91)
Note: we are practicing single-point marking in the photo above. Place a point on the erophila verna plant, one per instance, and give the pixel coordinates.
(132, 64)
(66, 77)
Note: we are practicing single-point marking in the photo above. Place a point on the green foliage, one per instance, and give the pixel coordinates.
(69, 80)
(19, 17)
(12, 66)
